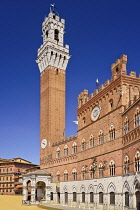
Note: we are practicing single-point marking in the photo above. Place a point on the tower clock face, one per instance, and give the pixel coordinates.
(95, 113)
(43, 143)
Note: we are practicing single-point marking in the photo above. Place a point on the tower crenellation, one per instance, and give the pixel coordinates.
(119, 67)
(53, 52)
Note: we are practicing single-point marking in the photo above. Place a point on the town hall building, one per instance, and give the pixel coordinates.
(99, 167)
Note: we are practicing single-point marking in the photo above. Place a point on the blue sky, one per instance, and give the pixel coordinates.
(97, 31)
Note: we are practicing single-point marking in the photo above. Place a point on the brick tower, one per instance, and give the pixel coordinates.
(52, 60)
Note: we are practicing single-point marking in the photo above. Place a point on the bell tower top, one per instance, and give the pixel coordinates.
(53, 29)
(53, 52)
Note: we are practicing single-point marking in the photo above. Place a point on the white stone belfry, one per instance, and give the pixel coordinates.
(52, 52)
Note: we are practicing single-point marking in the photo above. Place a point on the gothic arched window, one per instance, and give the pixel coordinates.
(58, 153)
(126, 125)
(112, 133)
(112, 168)
(83, 172)
(83, 144)
(100, 170)
(58, 176)
(65, 150)
(91, 171)
(74, 148)
(91, 141)
(101, 137)
(137, 117)
(65, 175)
(74, 174)
(126, 164)
(137, 161)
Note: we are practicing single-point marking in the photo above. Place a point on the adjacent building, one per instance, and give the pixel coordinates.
(10, 175)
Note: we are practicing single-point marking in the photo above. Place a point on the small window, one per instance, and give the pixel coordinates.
(56, 35)
(111, 104)
(56, 71)
(84, 121)
(47, 34)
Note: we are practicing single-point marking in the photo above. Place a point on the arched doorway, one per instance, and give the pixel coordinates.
(29, 190)
(138, 200)
(58, 197)
(66, 197)
(40, 190)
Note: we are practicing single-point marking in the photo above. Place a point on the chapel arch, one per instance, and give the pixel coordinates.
(40, 190)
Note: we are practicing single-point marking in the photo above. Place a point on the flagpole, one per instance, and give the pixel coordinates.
(97, 83)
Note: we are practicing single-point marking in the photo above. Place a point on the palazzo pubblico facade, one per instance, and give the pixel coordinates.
(99, 167)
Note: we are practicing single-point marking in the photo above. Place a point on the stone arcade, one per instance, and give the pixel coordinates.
(36, 187)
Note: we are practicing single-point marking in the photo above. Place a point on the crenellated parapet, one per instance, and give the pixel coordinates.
(83, 98)
(118, 69)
